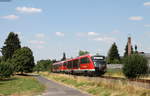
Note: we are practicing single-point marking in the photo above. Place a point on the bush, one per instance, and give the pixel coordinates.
(135, 66)
(43, 65)
(6, 69)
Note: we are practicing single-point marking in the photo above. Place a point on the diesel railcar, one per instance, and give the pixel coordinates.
(86, 64)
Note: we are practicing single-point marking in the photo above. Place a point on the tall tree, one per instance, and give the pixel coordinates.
(113, 55)
(81, 52)
(11, 44)
(126, 50)
(23, 60)
(64, 57)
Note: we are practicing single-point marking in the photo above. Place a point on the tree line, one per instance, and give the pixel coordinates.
(15, 58)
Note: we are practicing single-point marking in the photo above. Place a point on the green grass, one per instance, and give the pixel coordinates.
(20, 85)
(101, 88)
(114, 73)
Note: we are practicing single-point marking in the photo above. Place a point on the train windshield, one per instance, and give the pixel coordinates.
(98, 60)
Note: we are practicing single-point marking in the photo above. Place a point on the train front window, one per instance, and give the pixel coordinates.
(98, 61)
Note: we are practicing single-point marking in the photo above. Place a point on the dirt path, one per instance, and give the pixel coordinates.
(55, 89)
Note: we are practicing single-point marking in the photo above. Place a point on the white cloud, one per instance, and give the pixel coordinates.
(60, 34)
(10, 17)
(40, 35)
(105, 39)
(146, 3)
(92, 34)
(85, 34)
(40, 47)
(147, 25)
(116, 31)
(38, 42)
(136, 18)
(28, 10)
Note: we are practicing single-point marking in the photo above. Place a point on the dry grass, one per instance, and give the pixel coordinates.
(99, 87)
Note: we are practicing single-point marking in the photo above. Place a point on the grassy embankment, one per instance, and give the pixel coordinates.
(20, 86)
(119, 73)
(99, 88)
(114, 73)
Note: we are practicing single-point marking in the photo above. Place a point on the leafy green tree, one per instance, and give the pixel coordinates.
(23, 60)
(135, 66)
(11, 44)
(43, 65)
(6, 69)
(81, 52)
(113, 55)
(64, 57)
(126, 50)
(1, 58)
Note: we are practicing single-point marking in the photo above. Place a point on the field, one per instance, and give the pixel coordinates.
(20, 86)
(100, 88)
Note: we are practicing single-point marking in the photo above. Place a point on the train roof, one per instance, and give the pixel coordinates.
(86, 55)
(58, 62)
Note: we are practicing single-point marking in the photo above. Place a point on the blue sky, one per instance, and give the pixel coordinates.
(51, 27)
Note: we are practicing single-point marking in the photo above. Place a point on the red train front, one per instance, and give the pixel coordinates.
(87, 64)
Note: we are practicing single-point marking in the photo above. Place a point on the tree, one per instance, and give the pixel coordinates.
(6, 69)
(64, 57)
(126, 50)
(11, 44)
(43, 65)
(1, 59)
(135, 47)
(113, 55)
(23, 60)
(135, 66)
(81, 52)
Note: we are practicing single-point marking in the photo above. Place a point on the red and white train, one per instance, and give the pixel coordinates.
(87, 64)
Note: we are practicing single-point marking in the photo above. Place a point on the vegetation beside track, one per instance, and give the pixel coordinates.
(119, 73)
(114, 73)
(20, 86)
(101, 88)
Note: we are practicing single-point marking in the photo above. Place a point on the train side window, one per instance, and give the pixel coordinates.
(69, 65)
(65, 64)
(84, 60)
(75, 63)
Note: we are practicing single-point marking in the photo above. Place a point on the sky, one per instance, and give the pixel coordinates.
(51, 27)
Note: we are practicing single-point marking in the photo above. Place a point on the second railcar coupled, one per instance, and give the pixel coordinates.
(87, 64)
